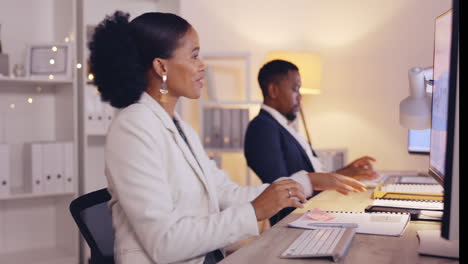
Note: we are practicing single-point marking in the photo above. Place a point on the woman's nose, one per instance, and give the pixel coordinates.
(202, 66)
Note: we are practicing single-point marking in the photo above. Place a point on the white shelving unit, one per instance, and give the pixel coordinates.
(228, 85)
(6, 81)
(36, 227)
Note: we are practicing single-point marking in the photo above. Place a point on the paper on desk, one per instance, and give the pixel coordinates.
(385, 224)
(417, 180)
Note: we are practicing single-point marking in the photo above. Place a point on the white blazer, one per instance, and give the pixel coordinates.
(165, 208)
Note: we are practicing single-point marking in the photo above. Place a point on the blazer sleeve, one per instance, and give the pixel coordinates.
(229, 192)
(136, 161)
(263, 152)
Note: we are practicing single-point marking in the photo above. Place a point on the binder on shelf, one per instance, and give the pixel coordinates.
(226, 128)
(109, 113)
(34, 175)
(100, 114)
(69, 175)
(90, 109)
(207, 126)
(236, 127)
(4, 170)
(216, 138)
(47, 169)
(58, 168)
(96, 114)
(244, 124)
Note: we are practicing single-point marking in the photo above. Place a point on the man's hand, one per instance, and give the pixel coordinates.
(279, 195)
(360, 169)
(334, 181)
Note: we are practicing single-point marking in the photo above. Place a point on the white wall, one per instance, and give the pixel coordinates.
(367, 46)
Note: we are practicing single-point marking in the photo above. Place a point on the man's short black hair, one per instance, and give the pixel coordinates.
(272, 72)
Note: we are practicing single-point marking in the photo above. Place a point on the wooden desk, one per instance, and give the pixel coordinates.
(364, 248)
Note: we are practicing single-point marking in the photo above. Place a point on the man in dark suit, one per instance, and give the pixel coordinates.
(274, 148)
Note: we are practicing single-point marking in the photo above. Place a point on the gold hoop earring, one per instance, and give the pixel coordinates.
(163, 89)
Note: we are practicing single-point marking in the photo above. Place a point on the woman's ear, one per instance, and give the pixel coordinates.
(160, 67)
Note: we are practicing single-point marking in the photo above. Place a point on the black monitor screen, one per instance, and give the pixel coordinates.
(440, 95)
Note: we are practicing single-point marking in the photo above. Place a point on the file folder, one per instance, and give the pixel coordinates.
(58, 168)
(48, 167)
(244, 123)
(34, 174)
(4, 170)
(226, 128)
(216, 128)
(69, 172)
(236, 127)
(207, 126)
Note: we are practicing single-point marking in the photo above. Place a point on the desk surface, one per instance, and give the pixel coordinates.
(363, 249)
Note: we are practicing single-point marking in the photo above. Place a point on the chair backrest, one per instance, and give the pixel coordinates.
(94, 220)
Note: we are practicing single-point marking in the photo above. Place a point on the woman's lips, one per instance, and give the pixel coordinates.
(200, 81)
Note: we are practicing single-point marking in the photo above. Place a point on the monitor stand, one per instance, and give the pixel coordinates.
(431, 243)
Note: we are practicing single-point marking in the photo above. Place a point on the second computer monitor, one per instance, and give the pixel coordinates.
(419, 141)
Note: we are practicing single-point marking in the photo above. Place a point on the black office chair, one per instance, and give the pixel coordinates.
(93, 217)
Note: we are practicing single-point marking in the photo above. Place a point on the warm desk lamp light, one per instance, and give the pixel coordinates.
(415, 110)
(310, 68)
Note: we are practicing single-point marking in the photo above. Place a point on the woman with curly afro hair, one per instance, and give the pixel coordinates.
(170, 203)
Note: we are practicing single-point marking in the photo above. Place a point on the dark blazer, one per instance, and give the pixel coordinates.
(272, 152)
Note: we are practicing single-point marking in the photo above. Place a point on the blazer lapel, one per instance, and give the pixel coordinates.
(291, 138)
(299, 146)
(169, 124)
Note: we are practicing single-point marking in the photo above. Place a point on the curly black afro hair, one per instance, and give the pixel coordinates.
(122, 52)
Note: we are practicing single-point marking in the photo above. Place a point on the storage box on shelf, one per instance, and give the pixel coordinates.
(333, 158)
(99, 114)
(224, 128)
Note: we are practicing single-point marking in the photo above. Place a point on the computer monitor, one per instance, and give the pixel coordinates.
(444, 146)
(419, 141)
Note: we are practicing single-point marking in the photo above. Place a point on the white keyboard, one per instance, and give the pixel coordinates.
(332, 242)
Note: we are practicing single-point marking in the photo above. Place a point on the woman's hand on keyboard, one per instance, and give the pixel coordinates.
(334, 181)
(279, 195)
